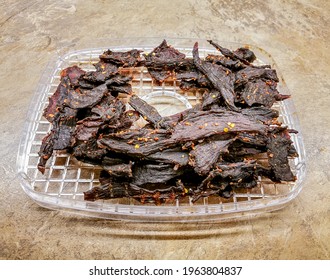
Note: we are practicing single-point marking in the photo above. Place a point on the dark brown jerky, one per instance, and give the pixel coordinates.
(106, 192)
(227, 62)
(109, 191)
(154, 173)
(207, 123)
(245, 54)
(86, 129)
(259, 92)
(83, 98)
(109, 110)
(206, 154)
(253, 73)
(196, 126)
(279, 147)
(104, 71)
(46, 151)
(130, 58)
(210, 98)
(137, 143)
(164, 57)
(118, 80)
(265, 115)
(63, 128)
(234, 55)
(89, 152)
(148, 112)
(192, 78)
(163, 60)
(234, 173)
(176, 157)
(118, 170)
(69, 78)
(220, 78)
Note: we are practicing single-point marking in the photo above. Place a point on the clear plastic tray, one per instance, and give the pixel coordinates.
(65, 179)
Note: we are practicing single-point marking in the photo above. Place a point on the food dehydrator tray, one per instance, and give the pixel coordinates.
(65, 179)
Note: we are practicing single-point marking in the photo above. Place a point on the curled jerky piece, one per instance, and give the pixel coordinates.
(148, 112)
(221, 79)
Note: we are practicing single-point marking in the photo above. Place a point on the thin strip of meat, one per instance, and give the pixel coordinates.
(220, 78)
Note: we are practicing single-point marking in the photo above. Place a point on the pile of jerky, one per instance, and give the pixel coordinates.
(222, 144)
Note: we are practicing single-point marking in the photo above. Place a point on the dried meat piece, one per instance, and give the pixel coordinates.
(85, 98)
(137, 143)
(162, 60)
(279, 147)
(210, 98)
(233, 55)
(89, 152)
(206, 154)
(221, 79)
(265, 115)
(175, 156)
(46, 151)
(164, 56)
(157, 196)
(147, 174)
(259, 92)
(118, 170)
(227, 62)
(130, 58)
(246, 54)
(203, 124)
(64, 127)
(69, 78)
(148, 112)
(252, 73)
(104, 71)
(192, 78)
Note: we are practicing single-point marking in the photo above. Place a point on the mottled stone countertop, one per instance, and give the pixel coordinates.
(295, 33)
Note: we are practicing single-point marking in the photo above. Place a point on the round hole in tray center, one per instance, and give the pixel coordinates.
(167, 102)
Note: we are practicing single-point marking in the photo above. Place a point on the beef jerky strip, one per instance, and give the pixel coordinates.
(279, 147)
(117, 168)
(148, 112)
(154, 173)
(64, 128)
(109, 110)
(137, 143)
(165, 57)
(234, 55)
(260, 92)
(130, 58)
(207, 123)
(59, 137)
(89, 152)
(110, 190)
(46, 151)
(252, 73)
(227, 62)
(163, 60)
(233, 172)
(69, 78)
(219, 78)
(210, 98)
(104, 71)
(83, 98)
(175, 156)
(265, 115)
(206, 154)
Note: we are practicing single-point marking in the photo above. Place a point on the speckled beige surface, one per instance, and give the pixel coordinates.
(296, 33)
